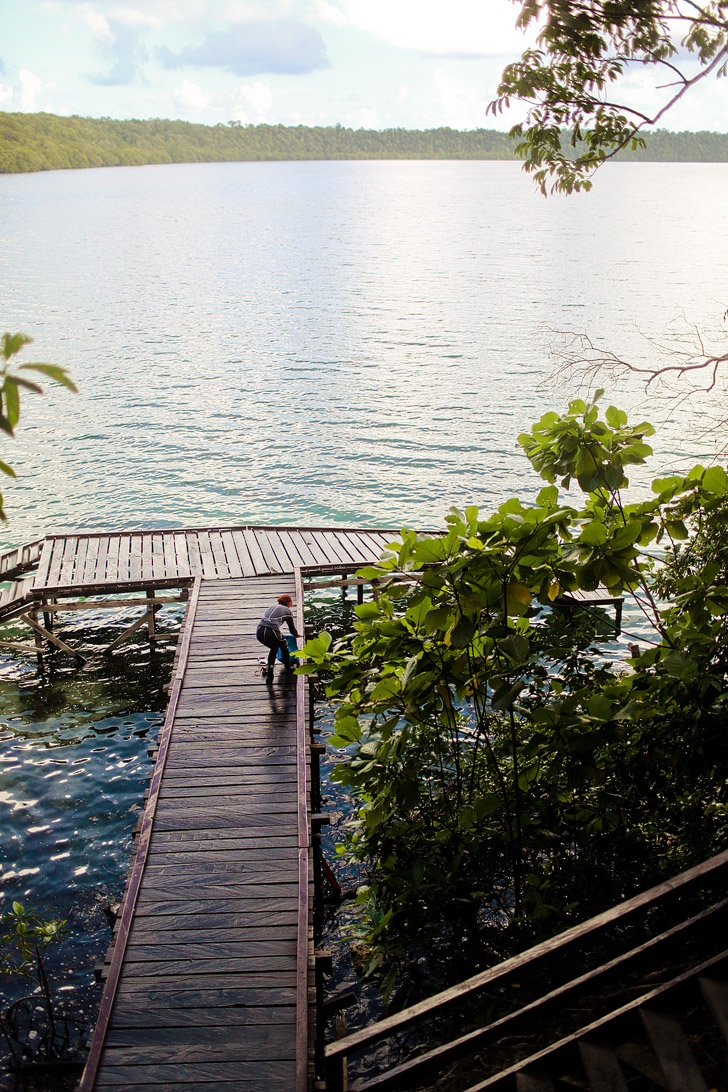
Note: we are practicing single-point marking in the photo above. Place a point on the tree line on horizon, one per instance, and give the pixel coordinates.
(47, 142)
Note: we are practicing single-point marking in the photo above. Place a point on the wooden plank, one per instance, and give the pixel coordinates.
(271, 1076)
(673, 1051)
(41, 577)
(181, 550)
(358, 548)
(218, 553)
(87, 569)
(199, 952)
(267, 1038)
(193, 550)
(130, 1018)
(54, 569)
(342, 544)
(207, 560)
(136, 567)
(99, 573)
(112, 559)
(226, 968)
(266, 548)
(715, 992)
(124, 559)
(147, 556)
(256, 554)
(243, 553)
(295, 555)
(152, 930)
(234, 564)
(311, 557)
(68, 562)
(158, 569)
(320, 547)
(252, 902)
(9, 561)
(171, 568)
(285, 565)
(602, 1067)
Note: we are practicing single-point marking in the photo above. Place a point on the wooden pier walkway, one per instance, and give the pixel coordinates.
(210, 973)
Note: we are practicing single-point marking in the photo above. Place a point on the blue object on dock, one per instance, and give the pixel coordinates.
(292, 650)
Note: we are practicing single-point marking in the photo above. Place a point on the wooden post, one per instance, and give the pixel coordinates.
(38, 639)
(343, 586)
(150, 618)
(39, 632)
(360, 593)
(48, 618)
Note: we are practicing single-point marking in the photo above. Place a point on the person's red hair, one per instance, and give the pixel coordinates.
(285, 600)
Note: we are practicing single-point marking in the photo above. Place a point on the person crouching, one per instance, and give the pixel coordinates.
(269, 633)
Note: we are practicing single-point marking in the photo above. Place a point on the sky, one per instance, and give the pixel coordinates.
(377, 64)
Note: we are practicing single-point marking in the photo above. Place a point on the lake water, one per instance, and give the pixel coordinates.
(322, 342)
(292, 342)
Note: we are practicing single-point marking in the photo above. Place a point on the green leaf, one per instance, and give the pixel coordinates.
(715, 480)
(12, 400)
(13, 343)
(599, 707)
(367, 612)
(548, 497)
(54, 372)
(505, 696)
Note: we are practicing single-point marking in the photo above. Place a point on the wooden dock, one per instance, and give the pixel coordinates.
(211, 970)
(210, 979)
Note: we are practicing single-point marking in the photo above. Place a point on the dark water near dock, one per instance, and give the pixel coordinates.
(297, 343)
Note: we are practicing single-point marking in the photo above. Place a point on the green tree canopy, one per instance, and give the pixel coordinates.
(571, 80)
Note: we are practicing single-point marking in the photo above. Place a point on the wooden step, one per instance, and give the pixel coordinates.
(602, 1067)
(673, 1051)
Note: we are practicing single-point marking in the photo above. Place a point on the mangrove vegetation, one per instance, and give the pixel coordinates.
(46, 142)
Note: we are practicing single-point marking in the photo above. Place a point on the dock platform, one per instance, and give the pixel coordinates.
(210, 980)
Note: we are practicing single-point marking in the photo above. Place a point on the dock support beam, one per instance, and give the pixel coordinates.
(31, 620)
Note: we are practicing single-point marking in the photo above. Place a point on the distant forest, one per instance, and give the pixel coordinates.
(46, 142)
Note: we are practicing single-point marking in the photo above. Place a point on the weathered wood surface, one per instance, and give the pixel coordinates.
(97, 562)
(210, 981)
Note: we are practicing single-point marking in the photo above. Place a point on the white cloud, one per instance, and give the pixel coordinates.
(189, 98)
(241, 11)
(250, 103)
(463, 28)
(461, 106)
(95, 21)
(154, 14)
(30, 87)
(6, 93)
(254, 102)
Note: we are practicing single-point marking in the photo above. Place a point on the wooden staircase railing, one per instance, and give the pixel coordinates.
(584, 991)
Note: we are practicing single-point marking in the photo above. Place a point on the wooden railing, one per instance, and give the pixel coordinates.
(303, 1046)
(469, 992)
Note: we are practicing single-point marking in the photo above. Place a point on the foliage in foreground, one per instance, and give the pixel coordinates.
(12, 384)
(574, 80)
(512, 779)
(30, 1037)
